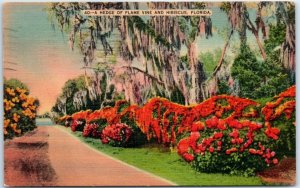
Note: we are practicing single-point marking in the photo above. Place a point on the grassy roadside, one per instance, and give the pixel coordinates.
(165, 164)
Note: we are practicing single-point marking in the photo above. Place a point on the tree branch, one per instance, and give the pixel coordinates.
(145, 73)
(222, 55)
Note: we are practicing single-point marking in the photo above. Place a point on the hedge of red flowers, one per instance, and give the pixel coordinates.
(220, 125)
(173, 120)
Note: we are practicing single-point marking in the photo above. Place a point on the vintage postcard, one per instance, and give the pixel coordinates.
(149, 93)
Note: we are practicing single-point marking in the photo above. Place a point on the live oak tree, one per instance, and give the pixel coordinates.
(147, 48)
(141, 57)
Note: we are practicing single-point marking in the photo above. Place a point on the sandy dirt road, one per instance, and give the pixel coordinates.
(26, 160)
(68, 162)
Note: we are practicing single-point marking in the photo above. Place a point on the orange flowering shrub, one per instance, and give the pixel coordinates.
(112, 115)
(285, 104)
(19, 112)
(81, 115)
(279, 117)
(223, 130)
(173, 120)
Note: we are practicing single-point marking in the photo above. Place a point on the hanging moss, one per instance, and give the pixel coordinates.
(142, 26)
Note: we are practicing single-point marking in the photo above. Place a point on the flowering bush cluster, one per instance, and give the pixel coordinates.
(77, 125)
(91, 130)
(223, 131)
(105, 124)
(116, 134)
(285, 104)
(280, 120)
(19, 111)
(240, 141)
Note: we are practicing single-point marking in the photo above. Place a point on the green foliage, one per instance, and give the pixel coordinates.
(68, 91)
(73, 85)
(189, 26)
(276, 37)
(138, 138)
(286, 143)
(177, 96)
(223, 87)
(101, 122)
(225, 6)
(14, 83)
(70, 107)
(184, 61)
(263, 101)
(242, 164)
(182, 24)
(246, 69)
(119, 96)
(259, 79)
(210, 60)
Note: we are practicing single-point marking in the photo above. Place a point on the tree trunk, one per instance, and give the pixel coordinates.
(222, 55)
(261, 49)
(197, 74)
(255, 31)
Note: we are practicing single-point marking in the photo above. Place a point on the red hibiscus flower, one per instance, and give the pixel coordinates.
(188, 157)
(212, 122)
(218, 135)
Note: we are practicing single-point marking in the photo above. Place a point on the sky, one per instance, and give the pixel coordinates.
(44, 61)
(42, 57)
